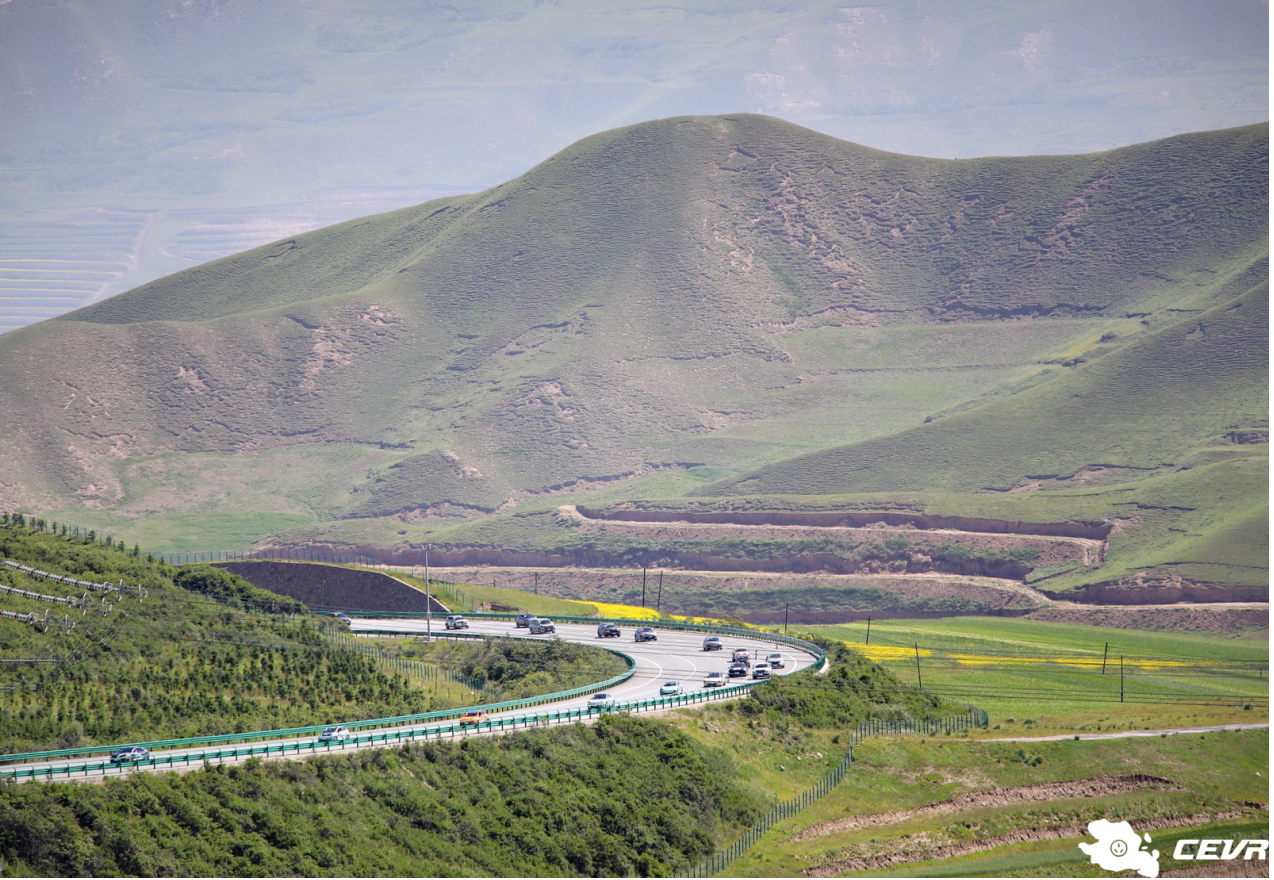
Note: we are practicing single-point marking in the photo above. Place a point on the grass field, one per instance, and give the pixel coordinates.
(1210, 775)
(1034, 676)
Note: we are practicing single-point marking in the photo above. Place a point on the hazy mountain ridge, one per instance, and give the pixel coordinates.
(656, 306)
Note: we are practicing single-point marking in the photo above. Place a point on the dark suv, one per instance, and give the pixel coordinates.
(524, 619)
(607, 631)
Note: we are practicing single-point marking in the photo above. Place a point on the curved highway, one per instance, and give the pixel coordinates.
(675, 656)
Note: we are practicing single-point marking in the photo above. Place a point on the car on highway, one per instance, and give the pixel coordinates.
(712, 643)
(713, 679)
(762, 671)
(130, 755)
(343, 617)
(775, 661)
(607, 631)
(645, 634)
(524, 619)
(741, 655)
(474, 717)
(737, 670)
(334, 734)
(670, 689)
(457, 621)
(601, 701)
(540, 625)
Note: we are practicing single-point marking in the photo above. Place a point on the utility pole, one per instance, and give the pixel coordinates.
(643, 588)
(1103, 658)
(1121, 678)
(868, 631)
(785, 607)
(660, 599)
(429, 605)
(919, 680)
(537, 583)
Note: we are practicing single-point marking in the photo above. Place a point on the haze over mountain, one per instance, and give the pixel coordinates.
(676, 303)
(143, 136)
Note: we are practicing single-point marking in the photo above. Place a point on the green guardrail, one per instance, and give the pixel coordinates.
(718, 862)
(441, 714)
(391, 737)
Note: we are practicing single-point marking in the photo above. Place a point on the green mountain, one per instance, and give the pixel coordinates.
(712, 306)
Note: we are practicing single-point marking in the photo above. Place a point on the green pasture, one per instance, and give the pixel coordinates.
(1208, 774)
(1036, 676)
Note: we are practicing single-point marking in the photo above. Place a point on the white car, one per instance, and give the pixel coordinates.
(714, 680)
(601, 701)
(775, 661)
(334, 734)
(457, 621)
(670, 689)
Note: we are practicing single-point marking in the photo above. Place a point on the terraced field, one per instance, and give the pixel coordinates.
(51, 266)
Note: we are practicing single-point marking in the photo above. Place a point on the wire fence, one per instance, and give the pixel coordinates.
(718, 862)
(410, 668)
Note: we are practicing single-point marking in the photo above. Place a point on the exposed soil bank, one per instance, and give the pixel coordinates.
(1095, 786)
(332, 588)
(920, 848)
(1117, 594)
(636, 558)
(1166, 618)
(1094, 531)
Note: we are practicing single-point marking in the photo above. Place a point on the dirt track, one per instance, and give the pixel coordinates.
(882, 857)
(1097, 786)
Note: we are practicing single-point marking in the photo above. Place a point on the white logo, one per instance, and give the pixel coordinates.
(1205, 850)
(1118, 848)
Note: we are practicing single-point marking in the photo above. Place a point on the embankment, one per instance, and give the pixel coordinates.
(852, 519)
(334, 588)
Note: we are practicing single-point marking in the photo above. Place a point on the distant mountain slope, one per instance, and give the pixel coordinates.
(660, 307)
(1153, 405)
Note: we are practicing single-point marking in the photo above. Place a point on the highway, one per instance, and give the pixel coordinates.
(674, 656)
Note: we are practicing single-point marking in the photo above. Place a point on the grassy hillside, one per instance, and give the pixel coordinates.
(662, 309)
(205, 652)
(1155, 405)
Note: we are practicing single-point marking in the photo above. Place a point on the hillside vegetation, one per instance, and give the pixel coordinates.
(699, 306)
(204, 652)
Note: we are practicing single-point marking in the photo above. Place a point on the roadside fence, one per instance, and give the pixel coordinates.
(718, 862)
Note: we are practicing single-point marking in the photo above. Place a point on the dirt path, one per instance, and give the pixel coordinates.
(890, 854)
(1172, 731)
(1096, 786)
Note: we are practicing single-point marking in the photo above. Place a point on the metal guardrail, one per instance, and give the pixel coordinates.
(718, 862)
(66, 579)
(390, 737)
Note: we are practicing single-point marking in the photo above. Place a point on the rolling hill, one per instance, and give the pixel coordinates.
(699, 306)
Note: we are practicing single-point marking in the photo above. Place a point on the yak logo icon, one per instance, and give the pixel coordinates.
(1118, 848)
